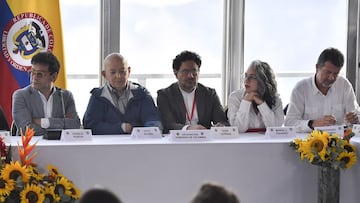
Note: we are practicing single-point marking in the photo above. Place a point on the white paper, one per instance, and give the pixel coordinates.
(225, 132)
(190, 135)
(71, 135)
(5, 135)
(146, 133)
(356, 129)
(334, 129)
(280, 132)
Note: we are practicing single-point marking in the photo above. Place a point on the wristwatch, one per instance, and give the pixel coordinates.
(310, 124)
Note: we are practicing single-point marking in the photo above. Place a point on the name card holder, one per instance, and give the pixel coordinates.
(334, 129)
(190, 135)
(225, 132)
(146, 133)
(5, 135)
(70, 135)
(280, 132)
(356, 129)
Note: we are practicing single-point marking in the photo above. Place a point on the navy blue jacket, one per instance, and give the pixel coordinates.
(102, 117)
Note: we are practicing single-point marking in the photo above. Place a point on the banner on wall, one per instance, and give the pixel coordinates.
(27, 27)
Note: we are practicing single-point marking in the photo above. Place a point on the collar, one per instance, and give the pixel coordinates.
(184, 92)
(113, 90)
(315, 89)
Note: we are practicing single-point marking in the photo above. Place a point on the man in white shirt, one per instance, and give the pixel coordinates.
(324, 99)
(41, 105)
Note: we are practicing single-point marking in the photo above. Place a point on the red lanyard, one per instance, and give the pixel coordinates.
(192, 110)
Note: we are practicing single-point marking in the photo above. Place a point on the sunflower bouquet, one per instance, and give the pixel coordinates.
(22, 182)
(328, 150)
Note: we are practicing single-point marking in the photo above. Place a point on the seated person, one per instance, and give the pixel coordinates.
(41, 105)
(257, 105)
(187, 104)
(3, 122)
(120, 104)
(324, 99)
(214, 193)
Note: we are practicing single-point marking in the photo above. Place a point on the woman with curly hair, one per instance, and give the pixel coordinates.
(257, 105)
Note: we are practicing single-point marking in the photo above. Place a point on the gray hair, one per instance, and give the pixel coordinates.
(267, 86)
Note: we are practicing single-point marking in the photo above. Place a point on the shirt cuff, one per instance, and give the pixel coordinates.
(45, 123)
(185, 127)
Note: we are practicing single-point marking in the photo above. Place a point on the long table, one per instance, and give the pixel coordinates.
(257, 169)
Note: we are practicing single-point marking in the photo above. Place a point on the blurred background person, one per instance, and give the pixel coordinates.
(214, 193)
(99, 195)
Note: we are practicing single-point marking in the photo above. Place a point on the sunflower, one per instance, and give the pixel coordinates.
(49, 193)
(53, 171)
(14, 170)
(62, 187)
(75, 192)
(348, 147)
(6, 186)
(315, 144)
(34, 173)
(348, 158)
(32, 194)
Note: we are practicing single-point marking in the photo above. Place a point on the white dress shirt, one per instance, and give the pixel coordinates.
(242, 114)
(48, 107)
(307, 102)
(188, 100)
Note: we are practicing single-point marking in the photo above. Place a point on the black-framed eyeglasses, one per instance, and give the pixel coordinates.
(38, 74)
(187, 71)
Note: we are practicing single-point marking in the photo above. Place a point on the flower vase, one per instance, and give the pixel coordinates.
(328, 184)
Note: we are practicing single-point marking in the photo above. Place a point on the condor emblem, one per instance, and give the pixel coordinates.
(24, 36)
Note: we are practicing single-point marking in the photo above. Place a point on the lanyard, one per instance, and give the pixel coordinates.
(192, 110)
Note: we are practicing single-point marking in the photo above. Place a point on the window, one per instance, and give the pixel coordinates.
(152, 33)
(81, 36)
(290, 35)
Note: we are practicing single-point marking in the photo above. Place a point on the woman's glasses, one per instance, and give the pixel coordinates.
(249, 77)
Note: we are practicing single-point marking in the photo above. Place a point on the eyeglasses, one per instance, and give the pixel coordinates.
(186, 72)
(38, 74)
(249, 77)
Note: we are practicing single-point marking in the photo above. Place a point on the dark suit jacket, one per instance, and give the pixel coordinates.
(173, 114)
(27, 105)
(3, 122)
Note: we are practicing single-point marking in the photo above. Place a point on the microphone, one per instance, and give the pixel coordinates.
(55, 134)
(62, 106)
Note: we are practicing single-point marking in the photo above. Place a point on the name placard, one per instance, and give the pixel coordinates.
(190, 135)
(333, 129)
(224, 132)
(70, 135)
(356, 129)
(5, 135)
(146, 133)
(280, 132)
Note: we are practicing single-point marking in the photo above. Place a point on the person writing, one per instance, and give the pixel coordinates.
(257, 105)
(41, 105)
(120, 105)
(324, 99)
(187, 104)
